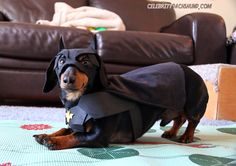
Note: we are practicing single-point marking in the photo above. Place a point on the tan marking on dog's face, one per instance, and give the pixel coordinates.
(76, 89)
(72, 96)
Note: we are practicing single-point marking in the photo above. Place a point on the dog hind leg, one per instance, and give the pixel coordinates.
(178, 122)
(193, 121)
(188, 135)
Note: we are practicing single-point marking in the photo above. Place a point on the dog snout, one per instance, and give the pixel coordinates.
(70, 79)
(73, 80)
(69, 75)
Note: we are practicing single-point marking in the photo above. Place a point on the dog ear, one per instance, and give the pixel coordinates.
(51, 77)
(102, 72)
(61, 44)
(92, 45)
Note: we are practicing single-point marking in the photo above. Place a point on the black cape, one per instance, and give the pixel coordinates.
(161, 85)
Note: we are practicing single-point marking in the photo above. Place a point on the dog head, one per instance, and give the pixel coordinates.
(77, 71)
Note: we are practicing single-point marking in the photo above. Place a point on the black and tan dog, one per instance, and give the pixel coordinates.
(120, 109)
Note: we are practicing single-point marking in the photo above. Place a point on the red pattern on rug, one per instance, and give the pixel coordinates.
(35, 127)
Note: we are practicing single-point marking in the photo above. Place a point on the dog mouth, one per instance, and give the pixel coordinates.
(73, 93)
(73, 88)
(73, 82)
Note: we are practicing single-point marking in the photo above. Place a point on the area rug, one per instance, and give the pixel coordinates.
(214, 144)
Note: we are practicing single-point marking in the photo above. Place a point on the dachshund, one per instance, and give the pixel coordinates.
(119, 109)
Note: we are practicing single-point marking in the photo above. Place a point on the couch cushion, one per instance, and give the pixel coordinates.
(25, 86)
(32, 10)
(143, 48)
(38, 42)
(136, 15)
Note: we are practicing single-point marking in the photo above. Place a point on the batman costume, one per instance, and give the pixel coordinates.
(128, 92)
(159, 88)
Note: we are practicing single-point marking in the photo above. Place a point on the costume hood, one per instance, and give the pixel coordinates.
(69, 57)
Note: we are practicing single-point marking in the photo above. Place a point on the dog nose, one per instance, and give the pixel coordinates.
(69, 80)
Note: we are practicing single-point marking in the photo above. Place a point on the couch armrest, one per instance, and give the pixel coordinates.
(208, 33)
(135, 48)
(38, 42)
(1, 17)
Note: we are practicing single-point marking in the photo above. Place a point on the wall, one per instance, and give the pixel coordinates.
(226, 9)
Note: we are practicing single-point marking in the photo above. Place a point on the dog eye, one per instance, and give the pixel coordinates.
(62, 61)
(85, 62)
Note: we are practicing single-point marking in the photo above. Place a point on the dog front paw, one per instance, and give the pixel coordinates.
(52, 143)
(48, 142)
(40, 138)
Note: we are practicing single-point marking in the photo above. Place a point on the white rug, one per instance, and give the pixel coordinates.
(58, 115)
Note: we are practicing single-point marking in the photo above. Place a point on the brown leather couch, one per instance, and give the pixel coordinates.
(233, 54)
(152, 36)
